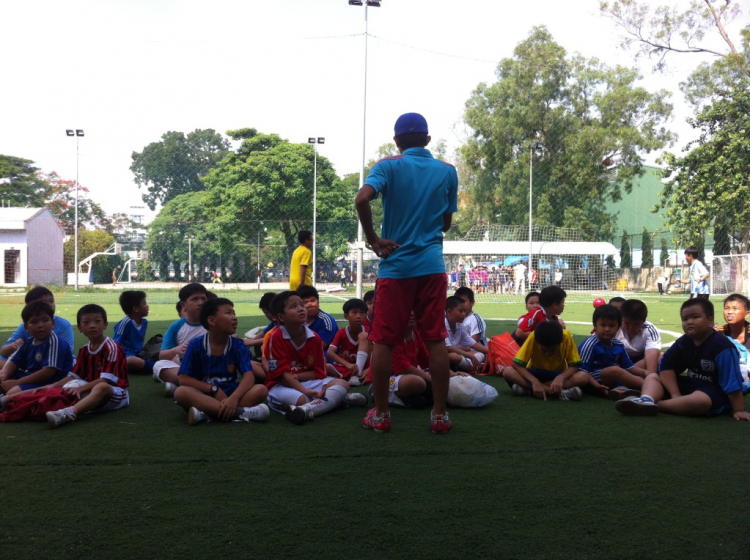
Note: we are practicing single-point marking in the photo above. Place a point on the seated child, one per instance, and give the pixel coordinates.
(350, 349)
(369, 299)
(318, 321)
(216, 374)
(101, 370)
(63, 329)
(473, 323)
(464, 352)
(130, 332)
(178, 335)
(551, 305)
(605, 359)
(42, 359)
(640, 337)
(712, 384)
(257, 342)
(180, 310)
(737, 329)
(547, 364)
(410, 385)
(298, 385)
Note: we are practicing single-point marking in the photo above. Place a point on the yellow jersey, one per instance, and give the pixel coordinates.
(302, 256)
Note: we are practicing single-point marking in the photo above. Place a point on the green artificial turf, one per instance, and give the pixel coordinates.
(520, 478)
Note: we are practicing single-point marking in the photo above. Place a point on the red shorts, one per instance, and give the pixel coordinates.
(396, 298)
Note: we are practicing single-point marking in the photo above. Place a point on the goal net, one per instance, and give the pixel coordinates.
(730, 274)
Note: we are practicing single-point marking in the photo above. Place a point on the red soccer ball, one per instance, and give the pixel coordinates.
(598, 302)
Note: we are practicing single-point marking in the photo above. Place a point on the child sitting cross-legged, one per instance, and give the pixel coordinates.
(130, 332)
(350, 349)
(298, 384)
(712, 383)
(464, 352)
(606, 360)
(216, 374)
(547, 364)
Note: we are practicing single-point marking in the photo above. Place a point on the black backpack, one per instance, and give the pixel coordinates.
(151, 349)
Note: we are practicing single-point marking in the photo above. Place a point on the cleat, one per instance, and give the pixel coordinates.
(620, 392)
(169, 389)
(378, 424)
(636, 406)
(520, 391)
(259, 413)
(297, 414)
(440, 423)
(354, 399)
(571, 394)
(60, 417)
(196, 416)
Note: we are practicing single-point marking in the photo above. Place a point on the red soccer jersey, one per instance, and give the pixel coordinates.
(410, 353)
(346, 348)
(284, 356)
(106, 362)
(530, 321)
(367, 324)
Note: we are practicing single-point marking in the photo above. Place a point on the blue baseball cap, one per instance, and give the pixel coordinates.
(410, 123)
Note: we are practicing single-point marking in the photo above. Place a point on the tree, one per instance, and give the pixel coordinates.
(61, 201)
(626, 259)
(647, 250)
(89, 242)
(722, 241)
(20, 184)
(591, 123)
(664, 254)
(175, 165)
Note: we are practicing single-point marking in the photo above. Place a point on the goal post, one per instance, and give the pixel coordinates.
(730, 274)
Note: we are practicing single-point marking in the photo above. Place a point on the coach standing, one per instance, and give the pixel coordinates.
(300, 271)
(420, 195)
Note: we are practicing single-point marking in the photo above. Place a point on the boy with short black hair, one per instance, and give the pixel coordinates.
(257, 341)
(617, 302)
(178, 336)
(369, 299)
(298, 385)
(350, 349)
(551, 305)
(464, 352)
(605, 358)
(473, 323)
(640, 337)
(216, 374)
(712, 383)
(547, 364)
(318, 320)
(698, 274)
(42, 359)
(130, 332)
(737, 329)
(63, 329)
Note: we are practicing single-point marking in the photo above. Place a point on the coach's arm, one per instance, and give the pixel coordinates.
(381, 247)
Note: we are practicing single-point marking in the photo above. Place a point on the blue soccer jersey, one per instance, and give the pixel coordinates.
(52, 352)
(224, 371)
(326, 328)
(63, 329)
(714, 362)
(595, 356)
(130, 336)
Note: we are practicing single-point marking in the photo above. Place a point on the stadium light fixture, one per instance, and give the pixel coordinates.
(77, 134)
(360, 231)
(315, 142)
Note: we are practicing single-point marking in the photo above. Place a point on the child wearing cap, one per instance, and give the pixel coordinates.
(420, 195)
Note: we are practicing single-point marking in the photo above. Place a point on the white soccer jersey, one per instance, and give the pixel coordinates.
(475, 324)
(646, 339)
(459, 338)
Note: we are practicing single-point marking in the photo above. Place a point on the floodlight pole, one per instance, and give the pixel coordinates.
(77, 133)
(315, 142)
(532, 148)
(190, 257)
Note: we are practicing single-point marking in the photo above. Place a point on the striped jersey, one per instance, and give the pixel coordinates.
(474, 324)
(106, 362)
(224, 370)
(35, 355)
(648, 338)
(596, 355)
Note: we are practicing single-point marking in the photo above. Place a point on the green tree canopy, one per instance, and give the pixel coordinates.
(20, 184)
(175, 165)
(647, 249)
(626, 259)
(591, 123)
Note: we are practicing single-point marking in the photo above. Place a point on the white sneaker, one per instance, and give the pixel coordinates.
(60, 417)
(196, 416)
(259, 413)
(520, 391)
(169, 389)
(572, 394)
(637, 406)
(355, 399)
(354, 381)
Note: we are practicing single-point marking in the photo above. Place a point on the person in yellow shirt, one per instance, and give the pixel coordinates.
(547, 364)
(300, 272)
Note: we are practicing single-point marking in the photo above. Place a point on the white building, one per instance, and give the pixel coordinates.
(31, 247)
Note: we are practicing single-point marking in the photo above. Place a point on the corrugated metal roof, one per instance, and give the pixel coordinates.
(16, 218)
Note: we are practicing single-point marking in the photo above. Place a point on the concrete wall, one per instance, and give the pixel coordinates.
(45, 241)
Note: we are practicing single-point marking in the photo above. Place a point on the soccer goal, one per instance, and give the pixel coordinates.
(730, 274)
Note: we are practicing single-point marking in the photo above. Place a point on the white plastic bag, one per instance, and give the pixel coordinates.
(469, 392)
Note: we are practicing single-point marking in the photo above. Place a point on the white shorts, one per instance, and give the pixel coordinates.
(281, 394)
(119, 399)
(164, 364)
(392, 388)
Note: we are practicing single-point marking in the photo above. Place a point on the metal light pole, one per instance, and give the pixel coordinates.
(536, 147)
(312, 141)
(190, 256)
(360, 231)
(264, 230)
(77, 133)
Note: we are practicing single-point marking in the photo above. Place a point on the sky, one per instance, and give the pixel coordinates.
(127, 71)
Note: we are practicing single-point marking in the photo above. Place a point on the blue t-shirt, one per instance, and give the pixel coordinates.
(714, 362)
(224, 371)
(744, 355)
(130, 336)
(52, 352)
(326, 327)
(595, 356)
(417, 191)
(179, 332)
(63, 329)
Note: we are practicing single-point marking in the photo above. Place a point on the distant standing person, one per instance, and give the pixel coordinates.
(420, 195)
(114, 275)
(300, 272)
(698, 274)
(519, 274)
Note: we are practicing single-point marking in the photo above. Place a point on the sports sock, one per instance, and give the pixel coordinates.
(647, 398)
(148, 366)
(72, 410)
(361, 361)
(466, 364)
(333, 398)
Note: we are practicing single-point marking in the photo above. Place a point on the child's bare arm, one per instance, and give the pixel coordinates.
(480, 348)
(737, 401)
(8, 371)
(537, 387)
(557, 384)
(292, 380)
(36, 378)
(334, 355)
(651, 358)
(639, 371)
